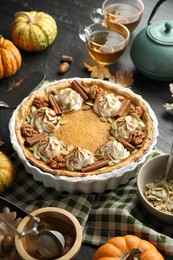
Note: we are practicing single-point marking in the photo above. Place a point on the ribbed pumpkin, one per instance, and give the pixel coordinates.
(7, 172)
(10, 58)
(33, 31)
(126, 248)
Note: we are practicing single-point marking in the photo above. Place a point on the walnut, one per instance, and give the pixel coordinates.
(40, 102)
(95, 91)
(137, 110)
(27, 130)
(56, 162)
(137, 137)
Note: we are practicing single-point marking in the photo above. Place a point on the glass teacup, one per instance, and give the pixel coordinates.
(126, 12)
(105, 46)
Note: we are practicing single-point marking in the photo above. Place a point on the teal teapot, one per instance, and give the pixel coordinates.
(152, 49)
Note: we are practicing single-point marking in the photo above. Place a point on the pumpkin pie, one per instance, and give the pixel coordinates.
(83, 127)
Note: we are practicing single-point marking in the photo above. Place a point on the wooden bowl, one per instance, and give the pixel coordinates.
(54, 219)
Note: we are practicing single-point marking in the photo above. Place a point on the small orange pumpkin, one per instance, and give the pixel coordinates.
(125, 248)
(10, 58)
(7, 172)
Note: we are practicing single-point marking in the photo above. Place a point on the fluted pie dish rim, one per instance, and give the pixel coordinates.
(108, 177)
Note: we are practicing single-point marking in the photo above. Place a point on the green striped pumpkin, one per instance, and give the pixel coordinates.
(33, 31)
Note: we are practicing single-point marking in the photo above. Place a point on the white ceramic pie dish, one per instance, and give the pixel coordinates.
(88, 184)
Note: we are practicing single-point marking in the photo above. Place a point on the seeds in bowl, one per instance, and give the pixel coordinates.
(156, 196)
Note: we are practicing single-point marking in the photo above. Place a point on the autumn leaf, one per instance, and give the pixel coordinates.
(99, 71)
(126, 79)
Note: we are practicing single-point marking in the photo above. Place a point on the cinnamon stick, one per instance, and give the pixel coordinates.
(30, 141)
(123, 107)
(95, 165)
(54, 105)
(125, 143)
(77, 87)
(83, 88)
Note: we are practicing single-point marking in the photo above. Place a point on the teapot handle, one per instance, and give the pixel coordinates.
(155, 10)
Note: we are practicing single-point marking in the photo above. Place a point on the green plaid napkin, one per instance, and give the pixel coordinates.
(102, 216)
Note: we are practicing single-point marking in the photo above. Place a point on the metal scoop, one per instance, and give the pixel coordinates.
(162, 183)
(50, 243)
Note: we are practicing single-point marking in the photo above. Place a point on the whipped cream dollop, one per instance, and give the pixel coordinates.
(48, 147)
(79, 158)
(124, 126)
(106, 105)
(114, 150)
(69, 100)
(44, 120)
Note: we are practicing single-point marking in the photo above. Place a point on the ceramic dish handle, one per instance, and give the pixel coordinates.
(155, 10)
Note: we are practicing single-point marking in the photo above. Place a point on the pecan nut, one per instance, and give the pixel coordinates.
(56, 162)
(40, 102)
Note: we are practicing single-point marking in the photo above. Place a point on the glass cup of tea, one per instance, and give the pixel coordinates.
(126, 12)
(105, 46)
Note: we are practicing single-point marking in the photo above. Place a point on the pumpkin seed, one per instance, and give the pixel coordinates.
(99, 156)
(136, 116)
(86, 107)
(110, 120)
(141, 123)
(103, 119)
(122, 131)
(63, 122)
(69, 106)
(44, 159)
(113, 113)
(64, 152)
(28, 119)
(138, 146)
(90, 103)
(54, 92)
(33, 109)
(69, 168)
(120, 97)
(134, 151)
(38, 125)
(111, 163)
(114, 125)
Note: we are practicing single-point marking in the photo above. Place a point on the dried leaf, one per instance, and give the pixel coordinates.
(171, 88)
(1, 142)
(10, 217)
(15, 85)
(169, 106)
(126, 79)
(6, 230)
(100, 71)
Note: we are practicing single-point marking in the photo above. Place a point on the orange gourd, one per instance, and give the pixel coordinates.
(7, 172)
(126, 248)
(10, 58)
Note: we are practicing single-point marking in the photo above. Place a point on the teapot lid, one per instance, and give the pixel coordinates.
(161, 32)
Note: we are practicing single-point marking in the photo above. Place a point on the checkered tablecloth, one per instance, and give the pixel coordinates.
(102, 216)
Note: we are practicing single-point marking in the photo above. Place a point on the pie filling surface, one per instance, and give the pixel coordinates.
(80, 127)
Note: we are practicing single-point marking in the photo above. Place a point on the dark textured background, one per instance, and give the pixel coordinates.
(69, 15)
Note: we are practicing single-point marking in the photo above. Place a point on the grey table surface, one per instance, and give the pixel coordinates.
(69, 15)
